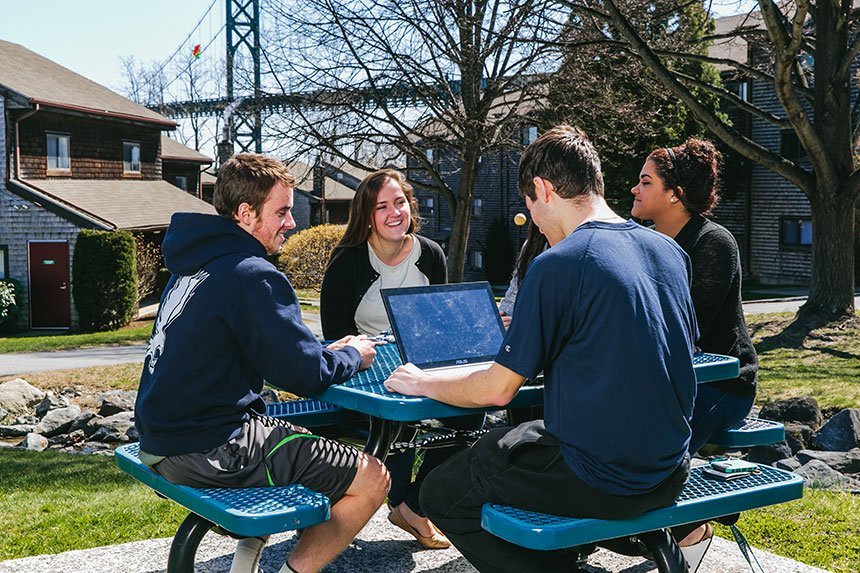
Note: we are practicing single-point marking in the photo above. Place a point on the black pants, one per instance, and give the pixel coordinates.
(523, 467)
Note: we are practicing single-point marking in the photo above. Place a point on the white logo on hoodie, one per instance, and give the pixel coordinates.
(171, 308)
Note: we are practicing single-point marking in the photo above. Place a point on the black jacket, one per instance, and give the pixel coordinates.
(349, 275)
(716, 292)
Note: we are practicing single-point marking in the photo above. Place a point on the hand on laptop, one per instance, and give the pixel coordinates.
(366, 348)
(406, 380)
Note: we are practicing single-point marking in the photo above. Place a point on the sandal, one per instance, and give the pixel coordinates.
(435, 541)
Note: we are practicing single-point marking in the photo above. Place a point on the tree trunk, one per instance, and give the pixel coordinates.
(462, 218)
(831, 291)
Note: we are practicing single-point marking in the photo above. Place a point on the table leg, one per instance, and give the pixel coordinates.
(381, 435)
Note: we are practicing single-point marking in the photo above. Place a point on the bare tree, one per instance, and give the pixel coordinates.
(383, 81)
(806, 51)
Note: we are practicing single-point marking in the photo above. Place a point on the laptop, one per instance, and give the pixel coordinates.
(445, 328)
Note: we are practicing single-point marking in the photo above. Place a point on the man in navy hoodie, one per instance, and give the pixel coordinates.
(229, 320)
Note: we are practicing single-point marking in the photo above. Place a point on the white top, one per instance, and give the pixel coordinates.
(370, 316)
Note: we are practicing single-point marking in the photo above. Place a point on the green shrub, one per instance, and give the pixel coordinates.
(10, 307)
(305, 255)
(149, 263)
(104, 275)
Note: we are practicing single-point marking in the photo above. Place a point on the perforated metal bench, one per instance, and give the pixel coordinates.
(749, 432)
(702, 499)
(310, 413)
(245, 512)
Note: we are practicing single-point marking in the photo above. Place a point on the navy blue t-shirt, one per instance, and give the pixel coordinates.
(606, 315)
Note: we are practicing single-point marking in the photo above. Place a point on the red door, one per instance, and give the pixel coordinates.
(50, 303)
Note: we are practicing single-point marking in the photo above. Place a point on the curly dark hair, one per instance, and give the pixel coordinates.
(694, 167)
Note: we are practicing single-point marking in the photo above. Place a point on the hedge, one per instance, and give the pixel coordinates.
(305, 255)
(104, 275)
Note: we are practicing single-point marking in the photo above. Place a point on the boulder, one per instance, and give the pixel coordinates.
(788, 464)
(58, 421)
(116, 401)
(816, 473)
(269, 396)
(798, 436)
(800, 410)
(34, 442)
(3, 414)
(18, 397)
(16, 430)
(114, 428)
(769, 454)
(30, 419)
(51, 402)
(82, 422)
(843, 462)
(841, 432)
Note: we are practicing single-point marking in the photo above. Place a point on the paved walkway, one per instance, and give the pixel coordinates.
(379, 548)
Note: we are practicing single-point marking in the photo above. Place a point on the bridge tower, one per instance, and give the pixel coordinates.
(243, 118)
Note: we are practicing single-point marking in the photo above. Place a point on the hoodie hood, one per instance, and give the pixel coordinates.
(194, 239)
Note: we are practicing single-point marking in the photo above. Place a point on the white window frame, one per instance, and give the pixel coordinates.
(476, 260)
(60, 156)
(426, 206)
(477, 207)
(4, 261)
(128, 165)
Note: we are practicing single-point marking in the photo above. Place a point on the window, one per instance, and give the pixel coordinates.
(789, 145)
(477, 207)
(4, 261)
(476, 260)
(744, 91)
(58, 152)
(529, 134)
(429, 154)
(182, 182)
(130, 157)
(795, 232)
(426, 206)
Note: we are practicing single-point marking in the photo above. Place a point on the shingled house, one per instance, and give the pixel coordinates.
(75, 156)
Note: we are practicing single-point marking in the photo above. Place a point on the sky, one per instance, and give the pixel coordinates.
(91, 36)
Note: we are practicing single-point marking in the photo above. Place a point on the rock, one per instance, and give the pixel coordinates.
(816, 473)
(82, 423)
(114, 428)
(16, 430)
(3, 414)
(788, 464)
(32, 420)
(841, 432)
(58, 421)
(269, 396)
(843, 462)
(800, 410)
(34, 442)
(117, 401)
(798, 436)
(69, 392)
(18, 397)
(769, 454)
(51, 402)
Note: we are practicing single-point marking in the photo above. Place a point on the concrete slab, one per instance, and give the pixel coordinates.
(379, 548)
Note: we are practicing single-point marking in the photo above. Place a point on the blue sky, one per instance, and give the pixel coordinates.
(90, 36)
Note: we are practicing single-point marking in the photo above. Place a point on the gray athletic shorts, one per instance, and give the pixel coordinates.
(268, 452)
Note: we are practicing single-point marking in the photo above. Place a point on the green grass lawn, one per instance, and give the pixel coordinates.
(52, 502)
(36, 340)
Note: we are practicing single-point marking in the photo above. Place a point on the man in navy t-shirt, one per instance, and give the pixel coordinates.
(606, 315)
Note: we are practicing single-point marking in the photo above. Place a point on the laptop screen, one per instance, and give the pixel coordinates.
(444, 325)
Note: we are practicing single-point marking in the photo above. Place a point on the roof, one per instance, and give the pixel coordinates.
(334, 189)
(42, 81)
(733, 47)
(121, 204)
(173, 150)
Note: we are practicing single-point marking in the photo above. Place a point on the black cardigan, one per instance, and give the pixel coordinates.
(349, 275)
(716, 293)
